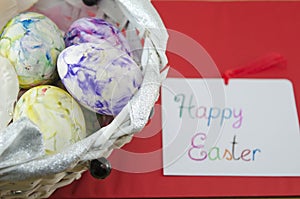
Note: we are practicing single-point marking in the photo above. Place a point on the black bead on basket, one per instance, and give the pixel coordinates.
(90, 2)
(100, 168)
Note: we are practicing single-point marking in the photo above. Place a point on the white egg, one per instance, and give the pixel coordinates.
(9, 89)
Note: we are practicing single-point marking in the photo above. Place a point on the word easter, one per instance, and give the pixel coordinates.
(208, 113)
(198, 153)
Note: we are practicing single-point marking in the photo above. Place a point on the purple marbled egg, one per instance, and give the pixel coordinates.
(101, 77)
(93, 30)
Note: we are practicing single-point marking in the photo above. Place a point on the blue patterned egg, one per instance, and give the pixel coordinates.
(100, 76)
(32, 42)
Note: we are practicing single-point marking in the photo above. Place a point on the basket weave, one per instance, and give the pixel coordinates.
(148, 38)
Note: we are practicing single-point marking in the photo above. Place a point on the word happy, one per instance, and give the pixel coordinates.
(208, 113)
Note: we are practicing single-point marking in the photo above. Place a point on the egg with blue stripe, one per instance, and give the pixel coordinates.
(32, 42)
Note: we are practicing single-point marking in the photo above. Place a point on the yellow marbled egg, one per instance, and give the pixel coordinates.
(56, 113)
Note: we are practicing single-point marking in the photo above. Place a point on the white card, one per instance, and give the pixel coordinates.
(249, 127)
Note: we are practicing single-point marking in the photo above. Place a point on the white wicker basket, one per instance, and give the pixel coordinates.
(148, 37)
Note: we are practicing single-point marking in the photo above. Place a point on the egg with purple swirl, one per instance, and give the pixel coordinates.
(94, 30)
(101, 77)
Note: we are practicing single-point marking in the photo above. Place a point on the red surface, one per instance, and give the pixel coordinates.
(233, 33)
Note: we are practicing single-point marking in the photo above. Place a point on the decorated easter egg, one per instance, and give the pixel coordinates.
(93, 30)
(9, 89)
(32, 42)
(56, 113)
(101, 77)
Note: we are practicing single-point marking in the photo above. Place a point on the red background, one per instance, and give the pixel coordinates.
(233, 33)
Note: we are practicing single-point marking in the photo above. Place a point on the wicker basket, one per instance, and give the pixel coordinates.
(148, 38)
